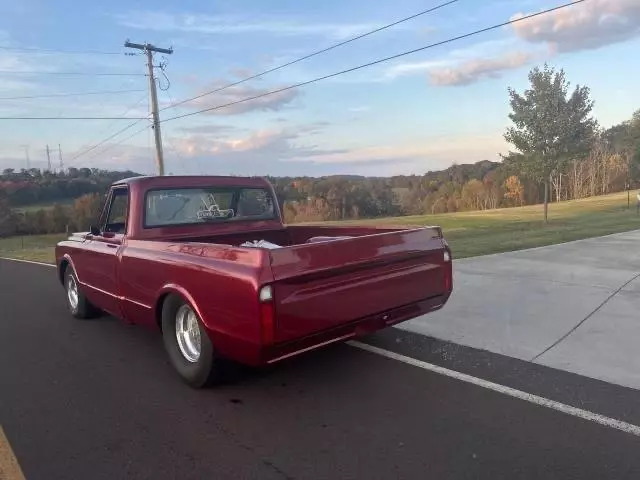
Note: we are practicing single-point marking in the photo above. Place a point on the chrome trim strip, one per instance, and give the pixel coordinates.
(117, 297)
(312, 347)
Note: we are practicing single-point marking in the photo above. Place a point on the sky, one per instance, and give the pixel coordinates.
(420, 112)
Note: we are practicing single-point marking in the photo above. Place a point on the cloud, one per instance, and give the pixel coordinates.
(590, 25)
(488, 48)
(261, 102)
(262, 152)
(281, 144)
(413, 68)
(471, 71)
(210, 129)
(241, 72)
(443, 150)
(287, 152)
(280, 25)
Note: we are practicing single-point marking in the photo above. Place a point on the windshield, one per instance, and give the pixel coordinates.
(209, 204)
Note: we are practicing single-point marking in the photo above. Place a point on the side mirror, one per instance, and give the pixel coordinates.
(95, 231)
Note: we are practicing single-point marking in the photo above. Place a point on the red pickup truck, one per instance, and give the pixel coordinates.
(209, 261)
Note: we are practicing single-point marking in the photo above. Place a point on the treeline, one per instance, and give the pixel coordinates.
(559, 149)
(610, 164)
(57, 219)
(26, 187)
(613, 162)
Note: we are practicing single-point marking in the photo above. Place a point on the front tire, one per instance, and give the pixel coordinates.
(77, 302)
(188, 345)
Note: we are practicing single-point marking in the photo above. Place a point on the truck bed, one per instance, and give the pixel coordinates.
(323, 280)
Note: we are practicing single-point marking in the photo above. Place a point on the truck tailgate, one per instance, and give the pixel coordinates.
(323, 285)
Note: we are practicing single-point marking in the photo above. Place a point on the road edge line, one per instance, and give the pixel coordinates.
(9, 466)
(28, 261)
(511, 392)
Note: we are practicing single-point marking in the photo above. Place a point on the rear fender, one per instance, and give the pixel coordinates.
(172, 288)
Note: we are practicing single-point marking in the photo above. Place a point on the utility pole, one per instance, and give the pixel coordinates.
(153, 93)
(26, 154)
(60, 157)
(49, 157)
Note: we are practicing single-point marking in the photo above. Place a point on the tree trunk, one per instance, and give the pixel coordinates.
(546, 200)
(559, 196)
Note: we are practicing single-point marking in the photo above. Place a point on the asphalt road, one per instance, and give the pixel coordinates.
(98, 400)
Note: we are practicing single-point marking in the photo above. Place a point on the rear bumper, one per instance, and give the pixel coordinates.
(353, 329)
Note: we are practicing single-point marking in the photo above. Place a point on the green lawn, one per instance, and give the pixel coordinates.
(44, 205)
(508, 229)
(469, 233)
(38, 248)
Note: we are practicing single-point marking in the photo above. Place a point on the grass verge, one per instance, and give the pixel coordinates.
(469, 233)
(504, 230)
(37, 248)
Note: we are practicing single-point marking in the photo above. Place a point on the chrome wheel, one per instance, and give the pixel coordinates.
(188, 333)
(72, 292)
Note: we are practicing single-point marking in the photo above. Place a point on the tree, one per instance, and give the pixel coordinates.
(624, 139)
(514, 190)
(550, 126)
(8, 219)
(86, 210)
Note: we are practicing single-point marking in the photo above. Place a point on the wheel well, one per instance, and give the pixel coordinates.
(158, 309)
(62, 270)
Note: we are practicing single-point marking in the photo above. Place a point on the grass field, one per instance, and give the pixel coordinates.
(493, 231)
(45, 205)
(468, 233)
(38, 248)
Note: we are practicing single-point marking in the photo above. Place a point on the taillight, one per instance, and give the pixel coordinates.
(448, 270)
(267, 315)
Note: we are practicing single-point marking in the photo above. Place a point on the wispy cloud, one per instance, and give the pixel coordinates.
(264, 103)
(451, 148)
(452, 58)
(210, 129)
(590, 25)
(471, 71)
(280, 25)
(413, 68)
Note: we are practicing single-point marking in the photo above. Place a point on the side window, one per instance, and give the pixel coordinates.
(116, 221)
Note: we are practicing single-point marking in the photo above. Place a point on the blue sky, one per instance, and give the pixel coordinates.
(417, 113)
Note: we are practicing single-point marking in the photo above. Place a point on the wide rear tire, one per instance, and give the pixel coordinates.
(188, 345)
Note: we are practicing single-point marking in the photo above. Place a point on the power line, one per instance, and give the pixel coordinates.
(102, 142)
(375, 62)
(73, 118)
(55, 50)
(45, 72)
(313, 54)
(131, 107)
(77, 94)
(119, 142)
(166, 138)
(90, 149)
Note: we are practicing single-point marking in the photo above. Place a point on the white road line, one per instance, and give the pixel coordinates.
(463, 377)
(512, 392)
(28, 261)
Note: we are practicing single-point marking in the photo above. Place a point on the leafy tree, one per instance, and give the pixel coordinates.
(86, 210)
(624, 139)
(8, 219)
(514, 190)
(550, 126)
(57, 219)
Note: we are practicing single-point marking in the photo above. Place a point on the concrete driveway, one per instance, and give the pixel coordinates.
(572, 306)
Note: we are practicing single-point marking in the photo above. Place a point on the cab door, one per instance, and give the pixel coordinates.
(102, 253)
